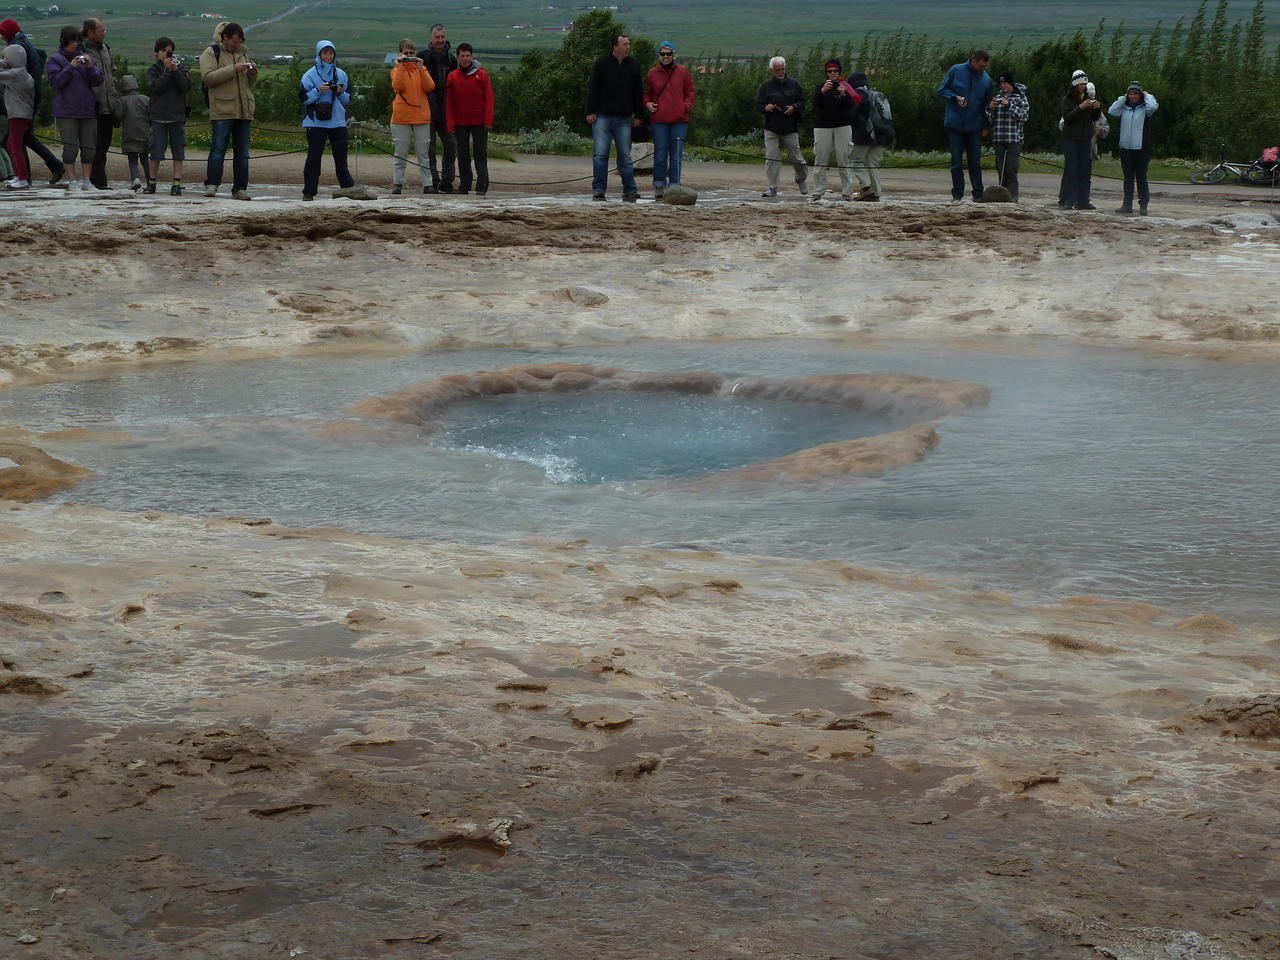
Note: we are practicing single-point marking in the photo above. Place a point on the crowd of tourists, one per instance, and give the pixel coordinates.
(443, 104)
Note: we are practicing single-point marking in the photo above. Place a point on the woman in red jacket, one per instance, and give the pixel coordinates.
(469, 112)
(668, 98)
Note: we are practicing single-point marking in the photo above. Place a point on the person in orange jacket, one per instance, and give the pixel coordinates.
(411, 115)
(468, 96)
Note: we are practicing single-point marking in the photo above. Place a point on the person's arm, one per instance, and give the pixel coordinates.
(311, 84)
(637, 96)
(428, 81)
(593, 93)
(1150, 102)
(944, 88)
(762, 98)
(1116, 107)
(486, 88)
(344, 82)
(687, 79)
(95, 75)
(450, 101)
(212, 74)
(1020, 107)
(797, 100)
(58, 74)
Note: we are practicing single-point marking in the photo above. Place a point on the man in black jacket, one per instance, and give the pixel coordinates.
(439, 62)
(781, 100)
(12, 33)
(615, 103)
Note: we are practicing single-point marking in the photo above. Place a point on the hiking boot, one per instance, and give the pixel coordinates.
(630, 197)
(1127, 211)
(481, 193)
(397, 189)
(769, 194)
(658, 192)
(240, 195)
(870, 198)
(1085, 206)
(56, 175)
(461, 191)
(803, 186)
(308, 196)
(446, 187)
(598, 196)
(430, 190)
(816, 197)
(175, 190)
(210, 189)
(1142, 210)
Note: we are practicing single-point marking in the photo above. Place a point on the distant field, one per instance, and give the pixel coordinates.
(370, 28)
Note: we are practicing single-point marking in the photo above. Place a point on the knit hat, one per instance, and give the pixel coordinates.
(9, 29)
(1134, 87)
(1005, 77)
(666, 45)
(1079, 77)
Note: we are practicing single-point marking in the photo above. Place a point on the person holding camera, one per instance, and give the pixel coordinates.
(1080, 113)
(1007, 116)
(781, 100)
(168, 81)
(967, 89)
(230, 75)
(411, 85)
(73, 75)
(836, 106)
(325, 118)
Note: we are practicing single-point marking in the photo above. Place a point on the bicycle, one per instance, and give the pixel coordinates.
(1252, 172)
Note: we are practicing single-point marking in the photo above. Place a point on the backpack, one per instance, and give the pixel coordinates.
(204, 87)
(879, 116)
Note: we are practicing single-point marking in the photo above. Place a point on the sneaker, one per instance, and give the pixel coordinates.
(73, 186)
(658, 192)
(769, 194)
(1142, 210)
(598, 196)
(16, 184)
(175, 190)
(630, 197)
(240, 195)
(430, 190)
(210, 189)
(397, 189)
(136, 185)
(56, 175)
(816, 197)
(150, 187)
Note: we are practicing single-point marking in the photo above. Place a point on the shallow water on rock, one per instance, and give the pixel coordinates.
(1091, 471)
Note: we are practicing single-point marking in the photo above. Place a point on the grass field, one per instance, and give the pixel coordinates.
(501, 31)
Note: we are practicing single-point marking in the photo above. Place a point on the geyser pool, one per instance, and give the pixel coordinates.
(1091, 471)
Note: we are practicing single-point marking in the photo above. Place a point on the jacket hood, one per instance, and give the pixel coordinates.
(320, 45)
(15, 55)
(476, 65)
(217, 31)
(857, 79)
(129, 84)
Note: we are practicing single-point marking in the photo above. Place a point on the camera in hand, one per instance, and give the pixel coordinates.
(408, 59)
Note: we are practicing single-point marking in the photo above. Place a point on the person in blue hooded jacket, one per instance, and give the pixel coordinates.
(967, 89)
(325, 118)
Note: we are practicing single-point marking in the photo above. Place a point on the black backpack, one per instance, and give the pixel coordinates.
(204, 87)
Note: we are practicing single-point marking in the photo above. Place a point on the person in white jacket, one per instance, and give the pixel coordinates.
(1134, 110)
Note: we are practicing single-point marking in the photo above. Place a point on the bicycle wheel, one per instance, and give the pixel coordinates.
(1259, 174)
(1209, 175)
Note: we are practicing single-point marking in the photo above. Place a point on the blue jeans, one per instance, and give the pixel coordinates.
(236, 131)
(1077, 167)
(668, 151)
(963, 144)
(1134, 164)
(615, 130)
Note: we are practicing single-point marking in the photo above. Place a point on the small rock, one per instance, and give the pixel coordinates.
(680, 196)
(997, 194)
(915, 226)
(356, 191)
(583, 296)
(600, 715)
(29, 686)
(28, 938)
(53, 596)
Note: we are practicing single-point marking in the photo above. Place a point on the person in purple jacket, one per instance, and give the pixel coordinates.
(73, 75)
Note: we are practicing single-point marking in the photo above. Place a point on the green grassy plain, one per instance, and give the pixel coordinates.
(370, 28)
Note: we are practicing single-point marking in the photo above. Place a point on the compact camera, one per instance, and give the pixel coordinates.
(408, 60)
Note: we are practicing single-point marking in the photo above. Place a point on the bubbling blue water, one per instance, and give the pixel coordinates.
(1091, 471)
(618, 436)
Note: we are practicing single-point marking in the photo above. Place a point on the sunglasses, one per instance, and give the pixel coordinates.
(832, 70)
(666, 53)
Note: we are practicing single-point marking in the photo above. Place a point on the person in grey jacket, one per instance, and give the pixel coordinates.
(94, 34)
(168, 81)
(1134, 109)
(133, 113)
(19, 103)
(11, 32)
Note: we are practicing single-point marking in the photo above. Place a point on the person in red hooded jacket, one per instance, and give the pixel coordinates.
(668, 98)
(469, 111)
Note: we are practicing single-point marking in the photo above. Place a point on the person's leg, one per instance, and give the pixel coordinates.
(844, 147)
(661, 133)
(792, 141)
(400, 133)
(450, 157)
(311, 168)
(219, 138)
(823, 144)
(1085, 168)
(31, 142)
(875, 158)
(102, 146)
(159, 140)
(973, 147)
(68, 133)
(1013, 162)
(17, 130)
(859, 156)
(177, 147)
(480, 139)
(1141, 161)
(462, 148)
(421, 147)
(772, 159)
(1067, 186)
(437, 128)
(88, 134)
(955, 140)
(240, 131)
(675, 161)
(1127, 168)
(340, 138)
(626, 169)
(601, 138)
